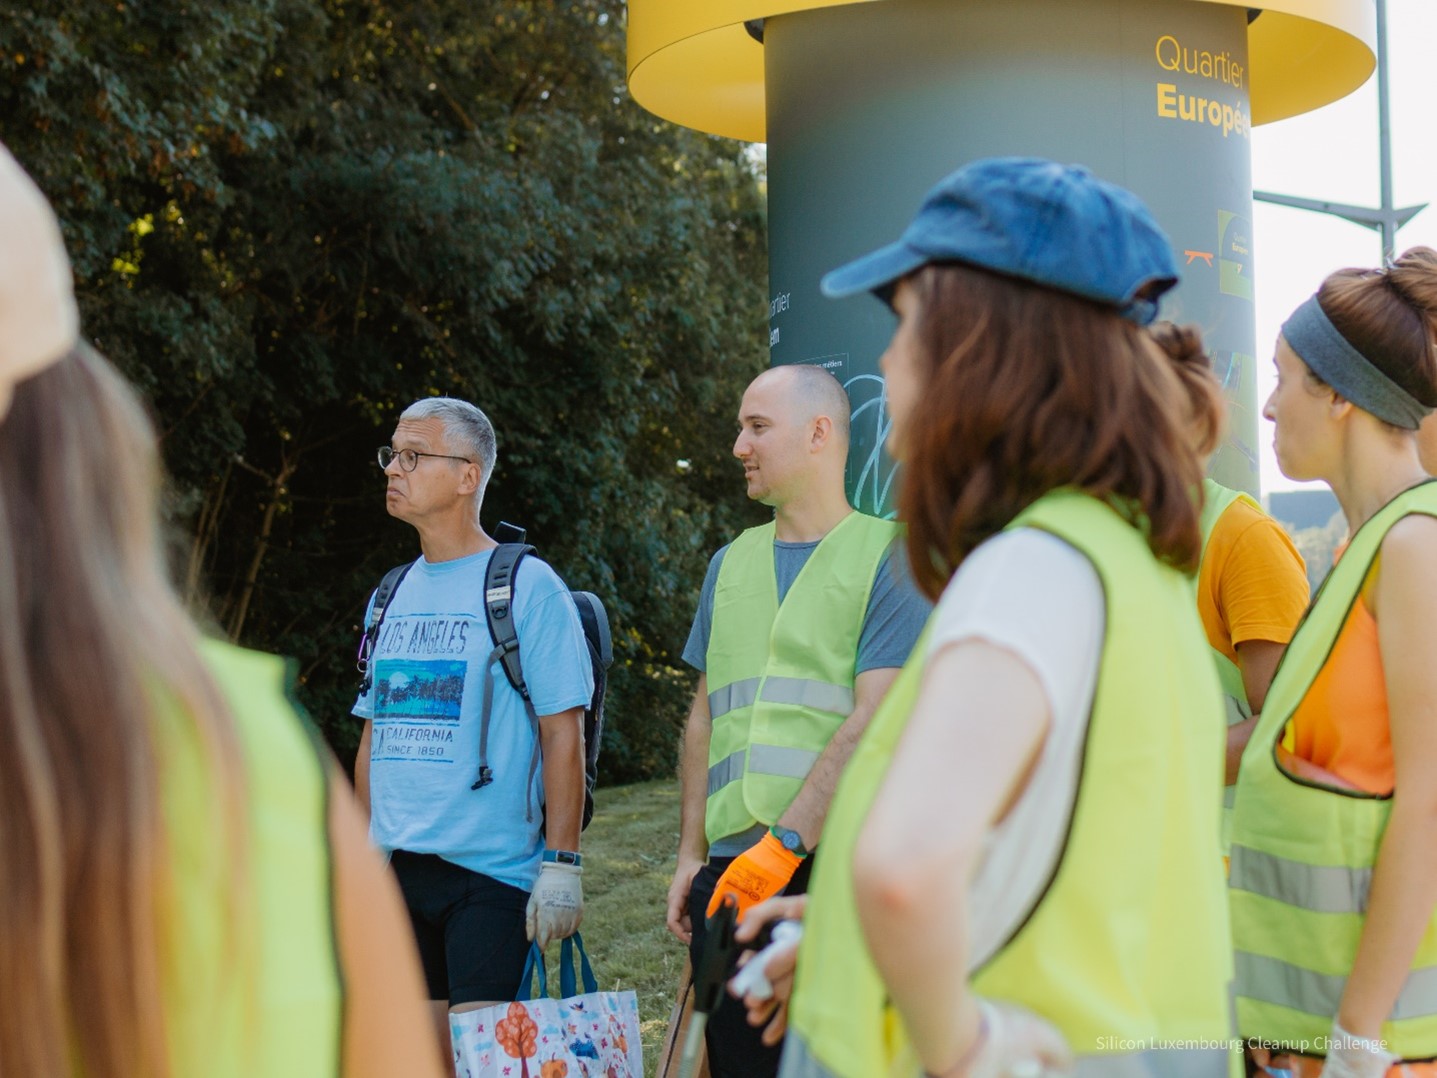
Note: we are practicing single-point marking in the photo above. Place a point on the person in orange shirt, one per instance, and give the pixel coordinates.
(1252, 591)
(1252, 582)
(1333, 883)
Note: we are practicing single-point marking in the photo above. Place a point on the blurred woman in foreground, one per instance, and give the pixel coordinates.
(1334, 882)
(1019, 873)
(182, 892)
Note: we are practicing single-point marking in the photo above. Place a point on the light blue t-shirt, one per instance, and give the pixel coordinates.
(426, 700)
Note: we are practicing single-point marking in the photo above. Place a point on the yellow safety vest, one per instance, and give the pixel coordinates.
(1303, 853)
(1126, 950)
(1216, 500)
(781, 676)
(259, 994)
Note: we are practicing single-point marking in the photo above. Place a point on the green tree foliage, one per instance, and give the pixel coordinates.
(290, 218)
(1318, 547)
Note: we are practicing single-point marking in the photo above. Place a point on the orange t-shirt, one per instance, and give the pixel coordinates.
(1342, 725)
(1252, 584)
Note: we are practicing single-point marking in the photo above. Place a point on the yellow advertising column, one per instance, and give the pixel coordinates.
(864, 105)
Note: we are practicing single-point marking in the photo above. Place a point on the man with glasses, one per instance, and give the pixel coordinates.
(484, 866)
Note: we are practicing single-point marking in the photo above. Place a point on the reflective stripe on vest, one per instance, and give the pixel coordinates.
(1199, 1062)
(806, 692)
(1303, 854)
(729, 769)
(1272, 980)
(1320, 888)
(762, 760)
(780, 760)
(732, 696)
(781, 676)
(801, 692)
(1128, 945)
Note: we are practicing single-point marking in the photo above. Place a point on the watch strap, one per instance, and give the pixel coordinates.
(790, 840)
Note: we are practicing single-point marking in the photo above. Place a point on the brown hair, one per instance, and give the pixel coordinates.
(92, 641)
(1390, 316)
(1207, 407)
(1027, 390)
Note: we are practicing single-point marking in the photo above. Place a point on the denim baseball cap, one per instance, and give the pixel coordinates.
(1055, 225)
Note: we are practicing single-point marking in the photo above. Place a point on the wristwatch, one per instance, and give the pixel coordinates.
(563, 857)
(790, 840)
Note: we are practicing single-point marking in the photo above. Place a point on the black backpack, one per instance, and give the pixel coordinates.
(498, 592)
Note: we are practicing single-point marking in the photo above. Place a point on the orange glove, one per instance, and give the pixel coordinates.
(760, 872)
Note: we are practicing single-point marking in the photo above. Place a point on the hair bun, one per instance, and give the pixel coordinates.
(1205, 405)
(1183, 344)
(1414, 277)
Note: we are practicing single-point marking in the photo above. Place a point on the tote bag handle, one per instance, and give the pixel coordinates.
(568, 981)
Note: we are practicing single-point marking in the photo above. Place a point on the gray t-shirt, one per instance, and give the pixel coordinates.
(895, 616)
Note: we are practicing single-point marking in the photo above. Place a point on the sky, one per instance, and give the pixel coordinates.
(1331, 154)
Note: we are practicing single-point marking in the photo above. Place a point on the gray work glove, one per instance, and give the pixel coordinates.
(556, 905)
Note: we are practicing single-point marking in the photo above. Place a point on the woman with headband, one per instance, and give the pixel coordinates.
(186, 887)
(1334, 878)
(1020, 871)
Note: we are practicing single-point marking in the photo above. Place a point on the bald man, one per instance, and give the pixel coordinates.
(801, 628)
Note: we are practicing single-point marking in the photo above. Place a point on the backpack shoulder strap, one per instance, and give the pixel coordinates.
(387, 587)
(595, 621)
(499, 610)
(499, 613)
(382, 597)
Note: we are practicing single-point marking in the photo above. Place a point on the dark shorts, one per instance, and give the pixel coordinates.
(469, 928)
(735, 1048)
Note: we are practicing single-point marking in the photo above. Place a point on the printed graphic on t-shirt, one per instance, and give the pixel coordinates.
(417, 706)
(425, 634)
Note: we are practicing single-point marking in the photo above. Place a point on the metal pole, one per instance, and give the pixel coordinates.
(1386, 218)
(1384, 139)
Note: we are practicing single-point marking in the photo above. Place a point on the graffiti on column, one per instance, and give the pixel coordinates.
(868, 396)
(1238, 374)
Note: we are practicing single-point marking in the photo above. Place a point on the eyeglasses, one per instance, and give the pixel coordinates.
(409, 458)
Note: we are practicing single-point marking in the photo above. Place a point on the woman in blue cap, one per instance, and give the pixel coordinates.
(1334, 882)
(1020, 871)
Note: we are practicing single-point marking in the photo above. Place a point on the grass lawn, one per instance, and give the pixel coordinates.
(629, 853)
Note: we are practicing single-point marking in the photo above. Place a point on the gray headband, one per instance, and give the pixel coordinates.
(1317, 342)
